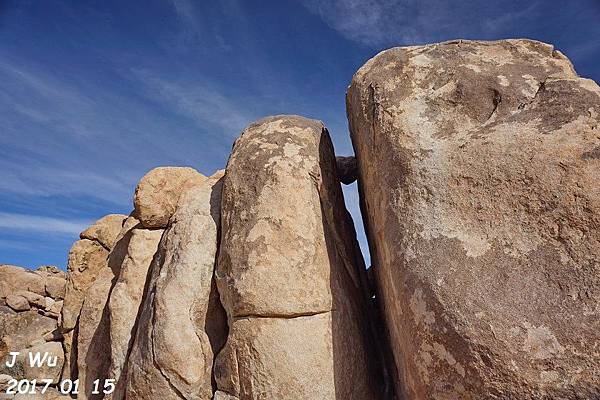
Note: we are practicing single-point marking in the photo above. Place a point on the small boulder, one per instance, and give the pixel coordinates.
(17, 302)
(347, 169)
(158, 192)
(105, 230)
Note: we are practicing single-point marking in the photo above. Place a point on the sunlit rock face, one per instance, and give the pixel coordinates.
(478, 169)
(289, 272)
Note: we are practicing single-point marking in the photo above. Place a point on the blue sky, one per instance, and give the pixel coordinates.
(95, 93)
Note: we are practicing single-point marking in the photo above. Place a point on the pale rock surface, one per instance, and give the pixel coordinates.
(14, 278)
(289, 273)
(50, 394)
(219, 395)
(87, 262)
(105, 230)
(93, 335)
(23, 329)
(132, 255)
(17, 302)
(158, 192)
(182, 323)
(86, 259)
(55, 357)
(479, 165)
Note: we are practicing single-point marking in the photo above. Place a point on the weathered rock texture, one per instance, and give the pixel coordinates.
(478, 169)
(182, 323)
(88, 272)
(133, 254)
(289, 273)
(158, 192)
(30, 303)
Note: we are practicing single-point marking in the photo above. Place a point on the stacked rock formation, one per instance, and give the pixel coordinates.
(478, 166)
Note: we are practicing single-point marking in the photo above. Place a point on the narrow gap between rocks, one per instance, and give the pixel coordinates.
(348, 172)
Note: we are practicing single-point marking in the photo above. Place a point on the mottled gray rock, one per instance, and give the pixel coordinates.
(479, 179)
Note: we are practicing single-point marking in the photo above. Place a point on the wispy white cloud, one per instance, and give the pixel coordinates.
(379, 23)
(66, 108)
(197, 101)
(34, 223)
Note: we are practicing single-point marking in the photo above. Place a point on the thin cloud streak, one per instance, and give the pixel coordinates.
(377, 23)
(35, 223)
(197, 101)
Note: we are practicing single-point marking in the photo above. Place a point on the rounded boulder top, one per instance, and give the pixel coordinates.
(158, 192)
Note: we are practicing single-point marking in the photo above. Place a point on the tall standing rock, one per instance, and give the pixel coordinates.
(133, 254)
(87, 262)
(289, 273)
(182, 323)
(478, 171)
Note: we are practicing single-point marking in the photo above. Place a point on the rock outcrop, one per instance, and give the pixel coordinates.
(477, 165)
(347, 169)
(289, 273)
(478, 171)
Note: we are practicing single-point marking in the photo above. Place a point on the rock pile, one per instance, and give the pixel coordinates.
(30, 307)
(477, 165)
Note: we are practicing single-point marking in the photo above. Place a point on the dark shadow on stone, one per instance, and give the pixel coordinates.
(351, 309)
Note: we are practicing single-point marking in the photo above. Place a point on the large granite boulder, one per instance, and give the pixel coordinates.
(158, 192)
(289, 272)
(182, 323)
(478, 168)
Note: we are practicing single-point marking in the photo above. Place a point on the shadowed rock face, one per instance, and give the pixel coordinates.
(480, 189)
(347, 169)
(87, 269)
(289, 272)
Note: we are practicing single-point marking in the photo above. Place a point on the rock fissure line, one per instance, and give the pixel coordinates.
(156, 364)
(281, 316)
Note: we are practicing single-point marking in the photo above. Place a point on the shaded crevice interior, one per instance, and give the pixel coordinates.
(353, 200)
